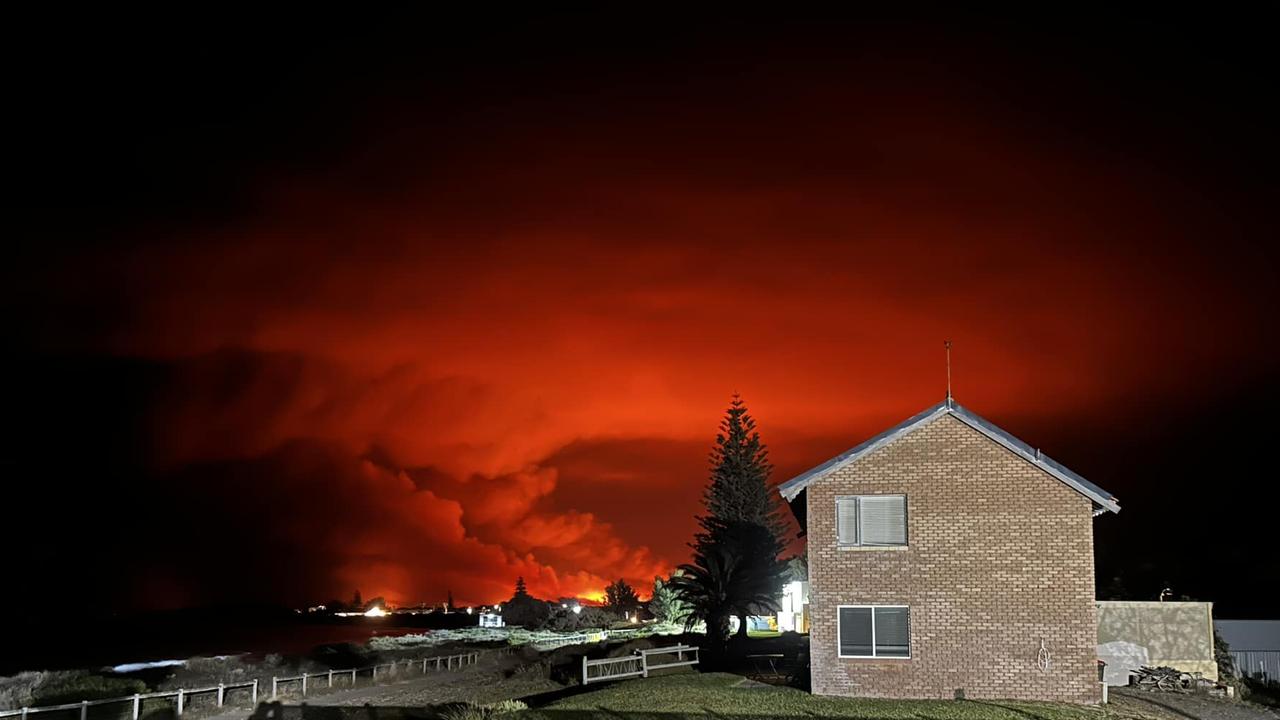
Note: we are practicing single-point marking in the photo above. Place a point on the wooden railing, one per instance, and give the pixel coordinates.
(181, 696)
(637, 665)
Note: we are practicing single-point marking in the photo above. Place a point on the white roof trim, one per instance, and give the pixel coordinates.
(1102, 500)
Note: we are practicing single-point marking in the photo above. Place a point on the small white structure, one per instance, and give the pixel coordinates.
(1122, 657)
(793, 607)
(491, 620)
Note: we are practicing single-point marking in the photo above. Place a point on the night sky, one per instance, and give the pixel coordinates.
(299, 306)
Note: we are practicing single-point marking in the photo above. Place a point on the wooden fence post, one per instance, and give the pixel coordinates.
(137, 707)
(84, 710)
(353, 678)
(254, 700)
(375, 673)
(304, 684)
(222, 691)
(179, 713)
(273, 687)
(424, 666)
(584, 669)
(330, 678)
(24, 713)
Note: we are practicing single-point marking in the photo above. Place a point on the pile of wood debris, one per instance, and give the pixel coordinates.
(1172, 679)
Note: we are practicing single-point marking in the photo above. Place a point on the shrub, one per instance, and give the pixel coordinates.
(74, 687)
(16, 691)
(473, 711)
(526, 612)
(560, 620)
(594, 617)
(539, 670)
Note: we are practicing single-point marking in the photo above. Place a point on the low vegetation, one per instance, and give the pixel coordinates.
(474, 711)
(36, 689)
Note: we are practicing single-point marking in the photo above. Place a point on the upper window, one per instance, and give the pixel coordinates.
(874, 631)
(872, 520)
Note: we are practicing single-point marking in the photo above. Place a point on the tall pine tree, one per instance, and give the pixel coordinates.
(739, 490)
(742, 519)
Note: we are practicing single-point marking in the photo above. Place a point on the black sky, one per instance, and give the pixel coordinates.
(205, 213)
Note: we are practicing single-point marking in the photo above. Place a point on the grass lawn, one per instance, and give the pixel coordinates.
(763, 633)
(717, 695)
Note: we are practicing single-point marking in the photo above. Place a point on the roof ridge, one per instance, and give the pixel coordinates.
(1101, 498)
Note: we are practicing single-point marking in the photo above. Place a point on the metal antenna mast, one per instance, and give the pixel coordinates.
(947, 344)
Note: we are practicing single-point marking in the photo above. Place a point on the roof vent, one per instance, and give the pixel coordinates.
(1038, 454)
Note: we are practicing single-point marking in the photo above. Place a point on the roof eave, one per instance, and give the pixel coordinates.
(791, 488)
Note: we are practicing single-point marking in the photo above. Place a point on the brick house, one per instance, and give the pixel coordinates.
(947, 557)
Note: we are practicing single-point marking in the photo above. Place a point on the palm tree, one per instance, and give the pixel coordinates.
(758, 580)
(704, 586)
(724, 580)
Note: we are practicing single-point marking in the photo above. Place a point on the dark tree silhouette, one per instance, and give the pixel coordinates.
(738, 491)
(724, 578)
(621, 597)
(737, 497)
(525, 610)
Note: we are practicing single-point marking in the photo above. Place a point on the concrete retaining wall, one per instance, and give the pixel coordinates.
(1176, 634)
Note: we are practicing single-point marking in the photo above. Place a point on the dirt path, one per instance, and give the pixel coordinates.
(1192, 707)
(482, 683)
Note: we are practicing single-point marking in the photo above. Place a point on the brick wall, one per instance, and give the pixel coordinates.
(999, 557)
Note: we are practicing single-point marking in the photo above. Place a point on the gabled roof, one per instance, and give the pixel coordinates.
(1102, 500)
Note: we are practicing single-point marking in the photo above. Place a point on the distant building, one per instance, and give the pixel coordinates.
(1255, 647)
(491, 620)
(793, 607)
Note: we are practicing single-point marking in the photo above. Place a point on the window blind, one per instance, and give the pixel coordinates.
(847, 520)
(882, 520)
(874, 631)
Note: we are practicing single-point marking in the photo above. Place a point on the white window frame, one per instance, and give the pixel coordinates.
(873, 655)
(857, 522)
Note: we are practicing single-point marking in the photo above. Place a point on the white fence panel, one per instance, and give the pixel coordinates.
(637, 665)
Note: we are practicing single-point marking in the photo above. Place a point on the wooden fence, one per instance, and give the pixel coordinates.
(637, 665)
(182, 696)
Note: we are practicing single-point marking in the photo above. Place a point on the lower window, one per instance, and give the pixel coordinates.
(867, 631)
